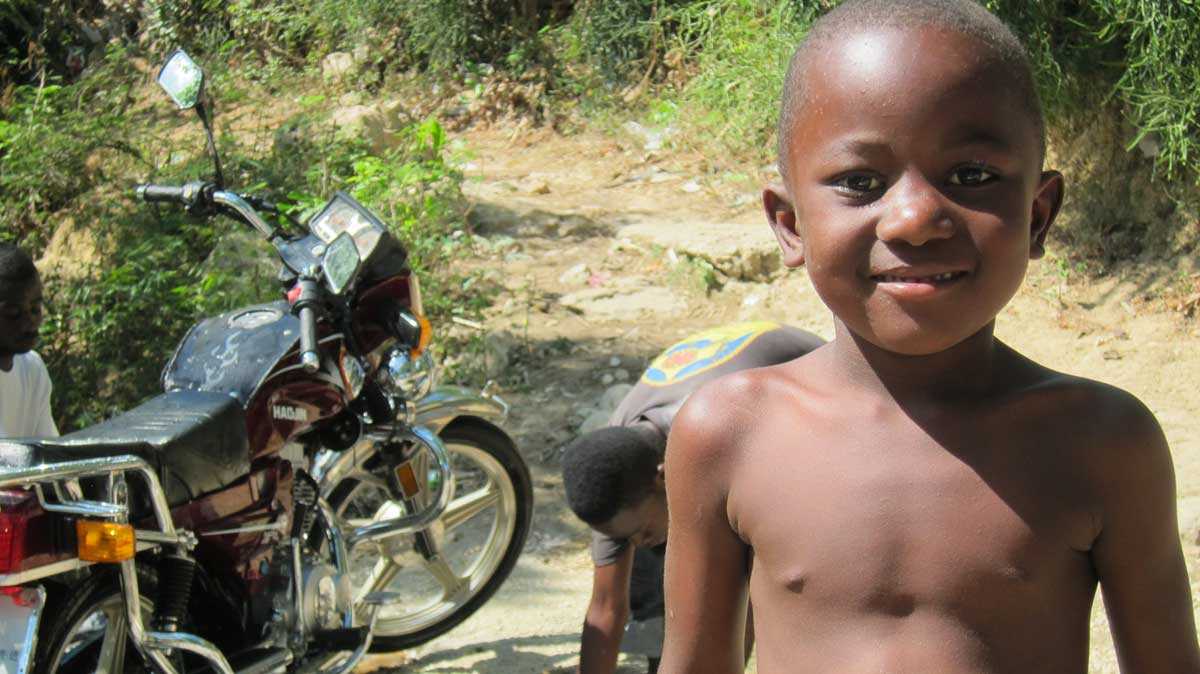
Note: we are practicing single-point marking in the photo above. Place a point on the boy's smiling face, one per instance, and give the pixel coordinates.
(914, 191)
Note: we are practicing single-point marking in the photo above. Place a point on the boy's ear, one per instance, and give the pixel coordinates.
(660, 477)
(1046, 203)
(782, 217)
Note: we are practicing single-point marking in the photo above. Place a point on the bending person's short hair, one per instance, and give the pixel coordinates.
(16, 267)
(609, 469)
(965, 17)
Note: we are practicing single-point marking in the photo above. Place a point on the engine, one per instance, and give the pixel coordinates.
(310, 594)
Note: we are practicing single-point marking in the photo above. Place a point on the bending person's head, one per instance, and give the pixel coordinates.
(614, 482)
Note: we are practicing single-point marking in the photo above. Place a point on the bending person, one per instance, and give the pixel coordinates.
(614, 482)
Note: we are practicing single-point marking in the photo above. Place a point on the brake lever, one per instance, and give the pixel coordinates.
(261, 203)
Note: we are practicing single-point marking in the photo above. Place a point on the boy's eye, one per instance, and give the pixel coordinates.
(970, 176)
(859, 183)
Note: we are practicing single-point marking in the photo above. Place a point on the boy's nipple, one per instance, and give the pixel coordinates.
(795, 581)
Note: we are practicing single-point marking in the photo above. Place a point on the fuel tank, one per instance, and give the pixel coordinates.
(234, 352)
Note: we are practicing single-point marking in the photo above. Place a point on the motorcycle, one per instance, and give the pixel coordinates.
(300, 495)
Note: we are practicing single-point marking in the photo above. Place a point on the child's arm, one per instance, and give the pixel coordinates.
(1137, 554)
(46, 427)
(706, 565)
(604, 625)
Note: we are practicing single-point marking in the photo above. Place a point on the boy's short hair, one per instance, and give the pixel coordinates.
(962, 16)
(609, 469)
(16, 267)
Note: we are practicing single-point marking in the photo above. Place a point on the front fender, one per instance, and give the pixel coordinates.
(447, 403)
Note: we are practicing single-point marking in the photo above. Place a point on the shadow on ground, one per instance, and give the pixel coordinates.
(518, 655)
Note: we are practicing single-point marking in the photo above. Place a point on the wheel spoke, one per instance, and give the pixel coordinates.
(381, 576)
(464, 508)
(478, 481)
(112, 648)
(373, 480)
(452, 584)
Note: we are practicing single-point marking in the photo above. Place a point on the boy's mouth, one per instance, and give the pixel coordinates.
(915, 283)
(900, 277)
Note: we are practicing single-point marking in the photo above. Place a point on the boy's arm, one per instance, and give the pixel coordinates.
(607, 613)
(46, 427)
(706, 565)
(1138, 556)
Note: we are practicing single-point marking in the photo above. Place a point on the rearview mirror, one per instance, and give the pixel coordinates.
(340, 262)
(182, 79)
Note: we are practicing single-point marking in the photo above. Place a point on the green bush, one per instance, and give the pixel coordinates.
(48, 134)
(740, 49)
(612, 40)
(108, 336)
(416, 193)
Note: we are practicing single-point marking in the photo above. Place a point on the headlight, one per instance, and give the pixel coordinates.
(411, 377)
(414, 331)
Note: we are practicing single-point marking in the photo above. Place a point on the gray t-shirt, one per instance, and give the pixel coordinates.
(686, 366)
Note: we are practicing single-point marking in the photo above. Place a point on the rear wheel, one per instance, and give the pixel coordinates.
(89, 631)
(447, 572)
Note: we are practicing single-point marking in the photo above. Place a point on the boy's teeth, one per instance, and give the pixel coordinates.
(945, 276)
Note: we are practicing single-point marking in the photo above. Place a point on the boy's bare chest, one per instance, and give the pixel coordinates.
(885, 517)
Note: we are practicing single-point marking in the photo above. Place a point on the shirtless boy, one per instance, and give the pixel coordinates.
(916, 496)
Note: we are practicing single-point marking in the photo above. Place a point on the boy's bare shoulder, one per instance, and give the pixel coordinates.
(719, 415)
(1086, 404)
(1107, 427)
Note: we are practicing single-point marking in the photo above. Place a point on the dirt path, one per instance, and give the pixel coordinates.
(608, 253)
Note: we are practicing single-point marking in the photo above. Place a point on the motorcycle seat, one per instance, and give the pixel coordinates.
(195, 440)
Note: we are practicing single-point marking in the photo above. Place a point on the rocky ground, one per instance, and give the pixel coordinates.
(608, 250)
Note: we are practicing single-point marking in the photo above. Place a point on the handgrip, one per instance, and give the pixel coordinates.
(310, 359)
(161, 193)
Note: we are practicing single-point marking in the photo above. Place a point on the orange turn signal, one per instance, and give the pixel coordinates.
(407, 477)
(105, 542)
(426, 336)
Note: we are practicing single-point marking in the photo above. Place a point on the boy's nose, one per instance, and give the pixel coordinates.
(915, 214)
(30, 322)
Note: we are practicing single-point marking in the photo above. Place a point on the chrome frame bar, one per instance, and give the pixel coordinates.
(154, 646)
(337, 466)
(80, 507)
(46, 472)
(337, 546)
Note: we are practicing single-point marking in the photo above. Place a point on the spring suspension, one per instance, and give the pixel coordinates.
(304, 504)
(175, 574)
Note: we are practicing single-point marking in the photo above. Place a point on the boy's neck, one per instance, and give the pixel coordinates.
(6, 362)
(966, 369)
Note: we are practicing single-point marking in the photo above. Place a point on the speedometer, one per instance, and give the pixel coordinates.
(343, 214)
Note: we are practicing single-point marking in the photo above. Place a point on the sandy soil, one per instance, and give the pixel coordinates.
(579, 230)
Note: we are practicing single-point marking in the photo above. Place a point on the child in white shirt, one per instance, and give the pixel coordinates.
(24, 382)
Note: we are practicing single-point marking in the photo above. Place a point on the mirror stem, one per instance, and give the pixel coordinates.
(212, 144)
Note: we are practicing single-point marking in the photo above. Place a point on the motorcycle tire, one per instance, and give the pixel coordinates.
(72, 641)
(464, 437)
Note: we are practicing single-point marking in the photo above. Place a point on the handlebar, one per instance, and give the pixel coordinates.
(310, 359)
(310, 294)
(152, 194)
(202, 196)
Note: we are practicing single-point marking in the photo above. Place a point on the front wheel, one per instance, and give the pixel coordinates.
(445, 573)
